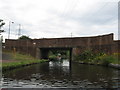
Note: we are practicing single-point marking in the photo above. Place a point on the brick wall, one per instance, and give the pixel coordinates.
(104, 43)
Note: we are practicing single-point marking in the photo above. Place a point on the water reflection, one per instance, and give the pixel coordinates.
(59, 63)
(59, 74)
(59, 67)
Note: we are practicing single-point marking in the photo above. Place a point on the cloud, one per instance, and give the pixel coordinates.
(60, 18)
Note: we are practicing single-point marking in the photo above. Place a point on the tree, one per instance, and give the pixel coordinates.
(24, 37)
(1, 25)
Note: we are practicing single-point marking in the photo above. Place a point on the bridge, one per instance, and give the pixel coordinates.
(40, 48)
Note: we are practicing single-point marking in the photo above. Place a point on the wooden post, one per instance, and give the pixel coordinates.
(14, 51)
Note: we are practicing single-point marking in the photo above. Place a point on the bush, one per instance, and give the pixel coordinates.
(86, 56)
(99, 58)
(105, 60)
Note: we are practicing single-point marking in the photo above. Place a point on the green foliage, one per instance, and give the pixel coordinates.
(11, 65)
(106, 60)
(52, 57)
(99, 58)
(116, 57)
(21, 60)
(86, 56)
(18, 56)
(54, 53)
(24, 38)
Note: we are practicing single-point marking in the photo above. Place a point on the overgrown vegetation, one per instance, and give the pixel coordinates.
(21, 60)
(54, 53)
(100, 58)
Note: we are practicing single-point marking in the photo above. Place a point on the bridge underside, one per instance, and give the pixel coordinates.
(42, 53)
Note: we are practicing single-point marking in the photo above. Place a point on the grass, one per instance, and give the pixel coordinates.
(52, 56)
(99, 58)
(21, 60)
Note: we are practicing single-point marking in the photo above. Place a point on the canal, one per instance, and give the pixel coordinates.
(57, 74)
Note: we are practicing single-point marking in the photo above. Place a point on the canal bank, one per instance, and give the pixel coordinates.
(12, 61)
(15, 60)
(91, 58)
(117, 66)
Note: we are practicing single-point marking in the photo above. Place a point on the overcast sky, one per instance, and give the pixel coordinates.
(60, 18)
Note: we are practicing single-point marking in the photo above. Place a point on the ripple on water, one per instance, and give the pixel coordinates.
(43, 76)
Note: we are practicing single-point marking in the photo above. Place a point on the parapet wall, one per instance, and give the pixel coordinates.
(75, 41)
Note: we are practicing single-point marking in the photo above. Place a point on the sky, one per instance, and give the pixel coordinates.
(59, 18)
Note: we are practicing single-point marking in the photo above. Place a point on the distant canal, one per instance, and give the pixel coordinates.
(60, 74)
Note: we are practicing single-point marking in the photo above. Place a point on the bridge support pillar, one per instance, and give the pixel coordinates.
(38, 53)
(70, 55)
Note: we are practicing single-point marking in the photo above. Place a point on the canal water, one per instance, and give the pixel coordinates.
(57, 74)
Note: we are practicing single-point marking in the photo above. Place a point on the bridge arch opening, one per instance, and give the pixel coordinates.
(44, 53)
